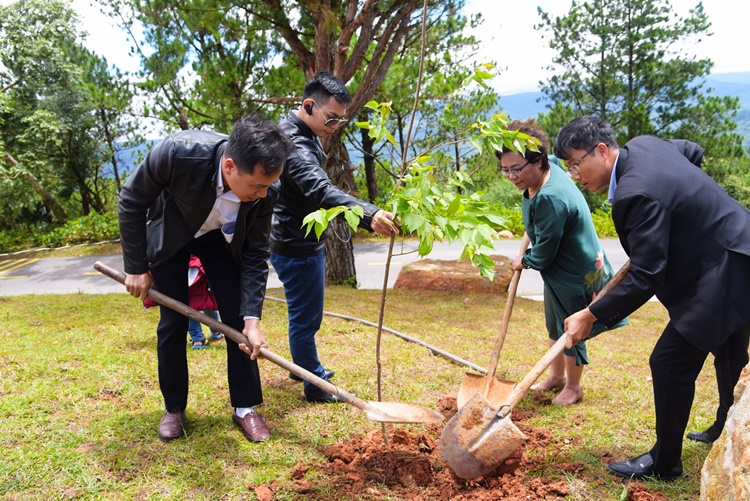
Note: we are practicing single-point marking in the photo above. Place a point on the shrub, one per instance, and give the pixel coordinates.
(513, 219)
(603, 223)
(87, 229)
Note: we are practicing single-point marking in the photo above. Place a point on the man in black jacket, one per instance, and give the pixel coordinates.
(210, 195)
(689, 244)
(299, 261)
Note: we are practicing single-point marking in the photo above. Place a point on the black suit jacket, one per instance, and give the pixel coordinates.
(169, 196)
(688, 243)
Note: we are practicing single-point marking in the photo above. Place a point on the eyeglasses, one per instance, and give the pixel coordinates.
(507, 171)
(574, 168)
(330, 121)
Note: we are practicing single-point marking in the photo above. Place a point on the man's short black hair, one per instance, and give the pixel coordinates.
(583, 133)
(323, 86)
(256, 141)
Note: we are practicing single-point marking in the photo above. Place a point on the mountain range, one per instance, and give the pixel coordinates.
(530, 104)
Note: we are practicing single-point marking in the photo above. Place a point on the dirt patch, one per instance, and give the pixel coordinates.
(454, 276)
(639, 492)
(409, 468)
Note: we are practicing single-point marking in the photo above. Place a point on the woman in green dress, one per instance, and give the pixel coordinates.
(565, 249)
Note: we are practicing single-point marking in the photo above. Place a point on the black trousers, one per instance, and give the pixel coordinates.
(170, 278)
(675, 365)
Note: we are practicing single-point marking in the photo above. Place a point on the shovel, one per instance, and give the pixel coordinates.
(478, 438)
(384, 412)
(492, 389)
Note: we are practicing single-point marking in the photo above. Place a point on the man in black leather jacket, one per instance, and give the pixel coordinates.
(210, 195)
(299, 261)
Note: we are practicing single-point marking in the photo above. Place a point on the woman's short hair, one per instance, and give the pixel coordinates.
(533, 129)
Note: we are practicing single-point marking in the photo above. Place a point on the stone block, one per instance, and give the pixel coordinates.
(455, 276)
(726, 471)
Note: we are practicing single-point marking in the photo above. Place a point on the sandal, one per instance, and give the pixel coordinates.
(215, 335)
(199, 345)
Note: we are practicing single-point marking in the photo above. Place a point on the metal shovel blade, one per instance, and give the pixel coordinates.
(475, 442)
(475, 383)
(479, 437)
(396, 412)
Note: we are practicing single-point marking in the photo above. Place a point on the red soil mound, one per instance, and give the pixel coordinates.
(408, 467)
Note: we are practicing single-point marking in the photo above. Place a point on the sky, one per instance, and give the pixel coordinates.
(507, 37)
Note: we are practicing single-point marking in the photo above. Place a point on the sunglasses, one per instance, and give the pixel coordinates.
(330, 121)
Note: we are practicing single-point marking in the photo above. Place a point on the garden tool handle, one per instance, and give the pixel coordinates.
(492, 367)
(238, 338)
(521, 388)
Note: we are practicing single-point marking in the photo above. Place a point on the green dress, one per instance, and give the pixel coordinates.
(566, 251)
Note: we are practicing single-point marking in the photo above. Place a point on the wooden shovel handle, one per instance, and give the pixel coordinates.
(521, 388)
(492, 367)
(239, 338)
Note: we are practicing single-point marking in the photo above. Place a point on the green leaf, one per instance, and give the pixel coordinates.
(454, 206)
(317, 220)
(353, 219)
(413, 222)
(334, 211)
(476, 141)
(486, 265)
(499, 221)
(450, 119)
(426, 240)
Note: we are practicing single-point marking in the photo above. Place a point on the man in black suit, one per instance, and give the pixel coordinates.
(211, 195)
(689, 244)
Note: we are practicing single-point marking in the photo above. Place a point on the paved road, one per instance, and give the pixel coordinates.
(69, 275)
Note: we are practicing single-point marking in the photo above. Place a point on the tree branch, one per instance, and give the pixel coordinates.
(280, 20)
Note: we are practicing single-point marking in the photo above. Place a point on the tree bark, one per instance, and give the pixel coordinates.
(370, 35)
(340, 254)
(340, 266)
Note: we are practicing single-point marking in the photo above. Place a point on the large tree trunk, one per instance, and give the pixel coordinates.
(340, 267)
(363, 44)
(339, 248)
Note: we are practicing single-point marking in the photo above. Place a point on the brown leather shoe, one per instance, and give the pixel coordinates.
(172, 426)
(253, 427)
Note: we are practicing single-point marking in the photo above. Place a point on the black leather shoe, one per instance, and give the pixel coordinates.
(709, 436)
(642, 467)
(329, 375)
(316, 395)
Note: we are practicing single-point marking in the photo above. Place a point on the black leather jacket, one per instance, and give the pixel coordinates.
(169, 196)
(305, 188)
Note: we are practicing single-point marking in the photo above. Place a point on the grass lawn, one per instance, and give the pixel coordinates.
(80, 400)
